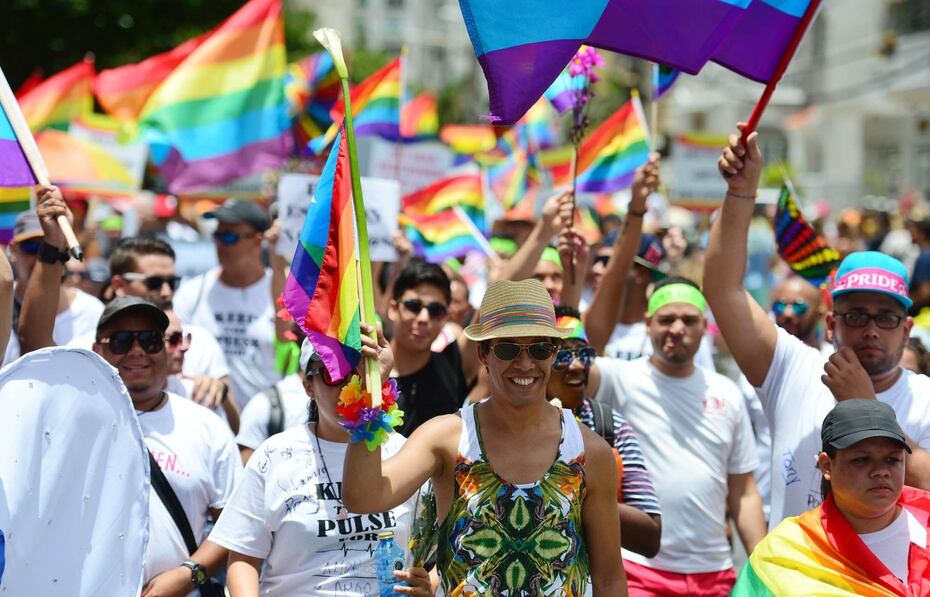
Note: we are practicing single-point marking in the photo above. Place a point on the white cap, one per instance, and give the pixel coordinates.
(307, 352)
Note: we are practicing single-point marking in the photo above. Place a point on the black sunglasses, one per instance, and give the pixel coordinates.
(150, 341)
(154, 282)
(175, 338)
(564, 358)
(858, 319)
(30, 247)
(436, 310)
(324, 375)
(230, 238)
(508, 351)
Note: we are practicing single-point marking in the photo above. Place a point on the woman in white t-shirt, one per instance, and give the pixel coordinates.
(869, 536)
(288, 513)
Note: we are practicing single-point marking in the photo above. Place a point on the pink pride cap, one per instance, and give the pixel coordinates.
(871, 271)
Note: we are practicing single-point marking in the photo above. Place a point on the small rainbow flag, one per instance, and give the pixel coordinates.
(463, 190)
(663, 77)
(539, 126)
(61, 98)
(375, 108)
(469, 139)
(13, 201)
(442, 235)
(16, 175)
(212, 110)
(609, 157)
(419, 118)
(312, 87)
(321, 292)
(565, 92)
(804, 250)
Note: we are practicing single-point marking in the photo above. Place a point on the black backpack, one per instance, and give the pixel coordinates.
(275, 411)
(603, 420)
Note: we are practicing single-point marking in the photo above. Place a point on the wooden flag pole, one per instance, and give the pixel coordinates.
(331, 41)
(31, 151)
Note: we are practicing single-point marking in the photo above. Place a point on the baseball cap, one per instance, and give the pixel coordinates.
(27, 226)
(871, 271)
(852, 421)
(128, 304)
(240, 211)
(307, 353)
(650, 255)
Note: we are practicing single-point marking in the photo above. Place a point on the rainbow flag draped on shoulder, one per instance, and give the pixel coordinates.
(818, 553)
(321, 292)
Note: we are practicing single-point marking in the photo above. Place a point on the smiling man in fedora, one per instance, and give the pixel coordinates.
(527, 495)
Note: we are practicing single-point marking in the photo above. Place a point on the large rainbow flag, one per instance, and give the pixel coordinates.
(818, 553)
(463, 190)
(214, 109)
(61, 98)
(804, 250)
(321, 292)
(312, 87)
(609, 157)
(16, 175)
(375, 107)
(419, 117)
(523, 45)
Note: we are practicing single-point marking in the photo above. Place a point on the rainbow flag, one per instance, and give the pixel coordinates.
(469, 139)
(609, 157)
(539, 126)
(61, 98)
(13, 201)
(565, 92)
(16, 175)
(321, 292)
(375, 108)
(804, 250)
(84, 168)
(419, 118)
(663, 77)
(212, 110)
(818, 553)
(463, 190)
(442, 235)
(312, 87)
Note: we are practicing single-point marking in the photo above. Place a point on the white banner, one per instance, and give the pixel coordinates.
(382, 206)
(698, 184)
(419, 165)
(74, 478)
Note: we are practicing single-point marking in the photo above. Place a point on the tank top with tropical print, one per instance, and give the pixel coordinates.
(516, 540)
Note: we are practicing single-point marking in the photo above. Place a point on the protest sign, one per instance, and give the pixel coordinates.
(414, 165)
(698, 185)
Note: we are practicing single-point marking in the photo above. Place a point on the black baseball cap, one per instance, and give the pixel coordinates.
(241, 211)
(852, 421)
(127, 304)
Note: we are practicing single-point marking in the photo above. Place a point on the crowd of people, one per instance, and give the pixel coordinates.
(594, 419)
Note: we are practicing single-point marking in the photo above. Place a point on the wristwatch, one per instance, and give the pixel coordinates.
(49, 254)
(198, 573)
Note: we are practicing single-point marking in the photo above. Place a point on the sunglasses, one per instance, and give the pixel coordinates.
(150, 341)
(435, 310)
(177, 338)
(858, 319)
(231, 238)
(324, 375)
(154, 282)
(30, 247)
(564, 358)
(799, 307)
(538, 351)
(601, 259)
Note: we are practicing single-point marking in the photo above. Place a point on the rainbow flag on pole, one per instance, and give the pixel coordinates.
(16, 175)
(609, 157)
(321, 292)
(312, 87)
(419, 118)
(439, 236)
(463, 190)
(61, 98)
(663, 77)
(216, 111)
(804, 250)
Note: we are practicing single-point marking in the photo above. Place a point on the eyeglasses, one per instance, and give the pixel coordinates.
(799, 307)
(564, 358)
(858, 319)
(436, 310)
(154, 282)
(508, 351)
(150, 341)
(324, 375)
(30, 247)
(175, 338)
(229, 238)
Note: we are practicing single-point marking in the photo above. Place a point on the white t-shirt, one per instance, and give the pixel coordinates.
(205, 356)
(287, 511)
(694, 432)
(630, 341)
(760, 430)
(253, 421)
(796, 402)
(241, 320)
(196, 452)
(79, 319)
(892, 544)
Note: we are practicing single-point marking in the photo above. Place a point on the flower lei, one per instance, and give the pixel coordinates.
(371, 425)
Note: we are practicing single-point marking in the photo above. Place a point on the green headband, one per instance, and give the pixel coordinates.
(675, 293)
(551, 254)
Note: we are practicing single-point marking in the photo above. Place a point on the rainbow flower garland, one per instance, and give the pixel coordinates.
(371, 425)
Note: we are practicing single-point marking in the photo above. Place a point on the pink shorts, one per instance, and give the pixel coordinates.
(651, 582)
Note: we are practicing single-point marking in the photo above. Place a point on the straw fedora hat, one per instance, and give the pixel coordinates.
(514, 310)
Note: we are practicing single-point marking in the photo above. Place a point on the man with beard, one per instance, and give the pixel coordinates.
(697, 442)
(797, 309)
(869, 327)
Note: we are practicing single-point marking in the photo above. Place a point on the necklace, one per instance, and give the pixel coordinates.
(319, 451)
(161, 399)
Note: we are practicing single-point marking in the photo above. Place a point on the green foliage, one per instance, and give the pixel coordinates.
(363, 62)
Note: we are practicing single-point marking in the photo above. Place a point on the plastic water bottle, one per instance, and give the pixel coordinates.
(388, 558)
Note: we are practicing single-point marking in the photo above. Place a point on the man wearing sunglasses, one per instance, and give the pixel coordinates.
(869, 327)
(698, 444)
(797, 309)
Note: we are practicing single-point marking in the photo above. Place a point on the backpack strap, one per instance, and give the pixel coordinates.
(275, 410)
(603, 420)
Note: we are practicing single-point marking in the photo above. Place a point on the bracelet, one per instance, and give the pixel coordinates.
(744, 197)
(367, 423)
(637, 214)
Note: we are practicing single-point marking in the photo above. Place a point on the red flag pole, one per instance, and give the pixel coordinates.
(763, 102)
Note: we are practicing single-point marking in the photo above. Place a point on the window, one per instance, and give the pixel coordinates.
(909, 16)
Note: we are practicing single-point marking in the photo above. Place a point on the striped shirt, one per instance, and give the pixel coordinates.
(635, 486)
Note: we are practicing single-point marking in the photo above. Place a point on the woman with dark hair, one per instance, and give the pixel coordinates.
(869, 536)
(288, 511)
(916, 357)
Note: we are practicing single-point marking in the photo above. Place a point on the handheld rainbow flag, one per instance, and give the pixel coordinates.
(610, 156)
(83, 167)
(375, 107)
(442, 235)
(16, 175)
(419, 118)
(61, 98)
(663, 77)
(312, 88)
(321, 292)
(565, 91)
(804, 250)
(212, 110)
(462, 190)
